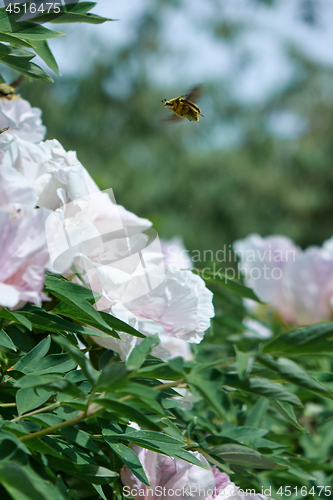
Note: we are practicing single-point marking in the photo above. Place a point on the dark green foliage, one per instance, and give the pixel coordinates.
(66, 417)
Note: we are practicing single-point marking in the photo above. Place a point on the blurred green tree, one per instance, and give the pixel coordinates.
(240, 170)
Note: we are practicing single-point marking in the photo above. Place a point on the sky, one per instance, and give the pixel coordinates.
(255, 64)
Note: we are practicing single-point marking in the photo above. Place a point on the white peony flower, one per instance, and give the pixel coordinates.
(23, 121)
(179, 310)
(57, 176)
(175, 254)
(16, 196)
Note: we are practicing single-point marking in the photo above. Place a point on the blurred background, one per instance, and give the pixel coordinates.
(261, 158)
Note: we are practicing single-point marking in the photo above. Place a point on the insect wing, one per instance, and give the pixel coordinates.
(16, 83)
(191, 105)
(173, 119)
(195, 94)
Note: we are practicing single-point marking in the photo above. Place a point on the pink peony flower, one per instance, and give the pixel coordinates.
(172, 478)
(297, 284)
(23, 258)
(171, 474)
(175, 254)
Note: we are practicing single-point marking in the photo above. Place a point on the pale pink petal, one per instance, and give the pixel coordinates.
(175, 254)
(23, 120)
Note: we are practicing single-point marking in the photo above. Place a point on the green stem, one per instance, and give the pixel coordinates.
(175, 383)
(78, 274)
(92, 411)
(3, 405)
(35, 412)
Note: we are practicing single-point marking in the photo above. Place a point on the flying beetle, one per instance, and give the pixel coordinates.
(184, 107)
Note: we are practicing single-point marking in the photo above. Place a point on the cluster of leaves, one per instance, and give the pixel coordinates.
(65, 416)
(26, 39)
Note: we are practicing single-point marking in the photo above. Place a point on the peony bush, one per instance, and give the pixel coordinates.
(126, 373)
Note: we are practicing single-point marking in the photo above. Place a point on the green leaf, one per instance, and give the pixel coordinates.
(241, 455)
(21, 338)
(23, 483)
(155, 441)
(120, 326)
(9, 50)
(29, 399)
(100, 491)
(122, 409)
(55, 363)
(16, 317)
(145, 395)
(43, 50)
(306, 340)
(295, 471)
(77, 304)
(129, 458)
(46, 419)
(86, 472)
(11, 38)
(11, 448)
(72, 311)
(29, 361)
(140, 352)
(80, 7)
(139, 436)
(80, 438)
(6, 341)
(264, 387)
(25, 29)
(79, 358)
(287, 412)
(257, 413)
(113, 376)
(75, 295)
(77, 436)
(232, 285)
(52, 323)
(162, 371)
(215, 460)
(211, 391)
(51, 382)
(249, 436)
(243, 363)
(292, 372)
(27, 68)
(72, 13)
